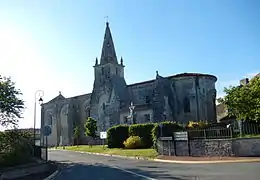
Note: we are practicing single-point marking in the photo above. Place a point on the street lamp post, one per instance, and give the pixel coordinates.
(38, 94)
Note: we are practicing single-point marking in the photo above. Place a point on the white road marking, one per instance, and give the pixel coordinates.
(136, 174)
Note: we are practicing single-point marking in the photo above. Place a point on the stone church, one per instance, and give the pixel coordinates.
(181, 97)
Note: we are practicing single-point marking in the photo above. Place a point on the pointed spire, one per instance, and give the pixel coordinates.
(121, 61)
(157, 74)
(96, 63)
(108, 54)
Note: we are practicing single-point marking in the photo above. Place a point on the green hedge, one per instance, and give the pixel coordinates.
(15, 148)
(147, 132)
(144, 131)
(168, 129)
(116, 136)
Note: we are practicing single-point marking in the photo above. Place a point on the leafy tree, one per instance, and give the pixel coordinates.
(77, 134)
(11, 105)
(91, 127)
(243, 102)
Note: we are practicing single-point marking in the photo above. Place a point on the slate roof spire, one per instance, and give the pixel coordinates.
(108, 54)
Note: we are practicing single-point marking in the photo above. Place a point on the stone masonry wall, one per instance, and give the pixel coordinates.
(246, 147)
(210, 147)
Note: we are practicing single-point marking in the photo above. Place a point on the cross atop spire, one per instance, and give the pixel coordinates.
(106, 19)
(108, 54)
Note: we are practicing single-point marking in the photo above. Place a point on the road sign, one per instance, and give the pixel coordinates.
(166, 138)
(103, 135)
(181, 136)
(46, 130)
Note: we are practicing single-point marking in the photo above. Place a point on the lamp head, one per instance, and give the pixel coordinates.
(41, 101)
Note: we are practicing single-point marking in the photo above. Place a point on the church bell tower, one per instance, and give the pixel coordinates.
(109, 81)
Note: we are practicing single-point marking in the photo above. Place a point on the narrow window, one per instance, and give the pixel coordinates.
(125, 119)
(186, 105)
(147, 99)
(147, 117)
(87, 112)
(102, 70)
(50, 120)
(104, 106)
(116, 71)
(164, 117)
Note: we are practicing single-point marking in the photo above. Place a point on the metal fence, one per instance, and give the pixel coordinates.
(225, 132)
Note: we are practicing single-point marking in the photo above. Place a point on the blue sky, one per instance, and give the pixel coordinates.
(52, 44)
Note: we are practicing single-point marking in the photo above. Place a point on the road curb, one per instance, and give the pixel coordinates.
(208, 162)
(101, 154)
(50, 177)
(168, 161)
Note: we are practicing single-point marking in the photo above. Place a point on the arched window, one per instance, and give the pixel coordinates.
(88, 112)
(49, 122)
(186, 105)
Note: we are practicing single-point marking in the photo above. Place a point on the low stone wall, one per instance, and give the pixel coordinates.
(210, 147)
(246, 147)
(93, 141)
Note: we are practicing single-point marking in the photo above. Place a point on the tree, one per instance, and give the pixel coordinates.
(11, 105)
(243, 102)
(76, 134)
(91, 127)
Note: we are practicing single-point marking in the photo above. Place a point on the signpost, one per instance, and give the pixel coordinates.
(182, 136)
(169, 139)
(46, 132)
(103, 136)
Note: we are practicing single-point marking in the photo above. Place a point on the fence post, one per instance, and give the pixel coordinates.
(188, 141)
(231, 133)
(46, 149)
(174, 144)
(169, 145)
(240, 127)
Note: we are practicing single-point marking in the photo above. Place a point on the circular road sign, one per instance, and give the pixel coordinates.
(46, 130)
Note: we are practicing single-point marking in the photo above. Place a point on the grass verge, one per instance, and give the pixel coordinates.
(146, 153)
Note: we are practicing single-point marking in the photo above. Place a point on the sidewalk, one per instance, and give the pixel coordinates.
(28, 171)
(198, 160)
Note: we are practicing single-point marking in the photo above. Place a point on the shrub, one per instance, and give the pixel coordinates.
(90, 127)
(15, 147)
(200, 124)
(144, 131)
(133, 142)
(116, 135)
(168, 129)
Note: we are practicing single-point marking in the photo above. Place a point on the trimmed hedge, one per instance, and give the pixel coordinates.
(144, 131)
(168, 129)
(116, 136)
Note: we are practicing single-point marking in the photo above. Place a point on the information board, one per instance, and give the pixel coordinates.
(103, 135)
(181, 136)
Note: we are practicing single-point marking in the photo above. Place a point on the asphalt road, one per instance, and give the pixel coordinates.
(80, 166)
